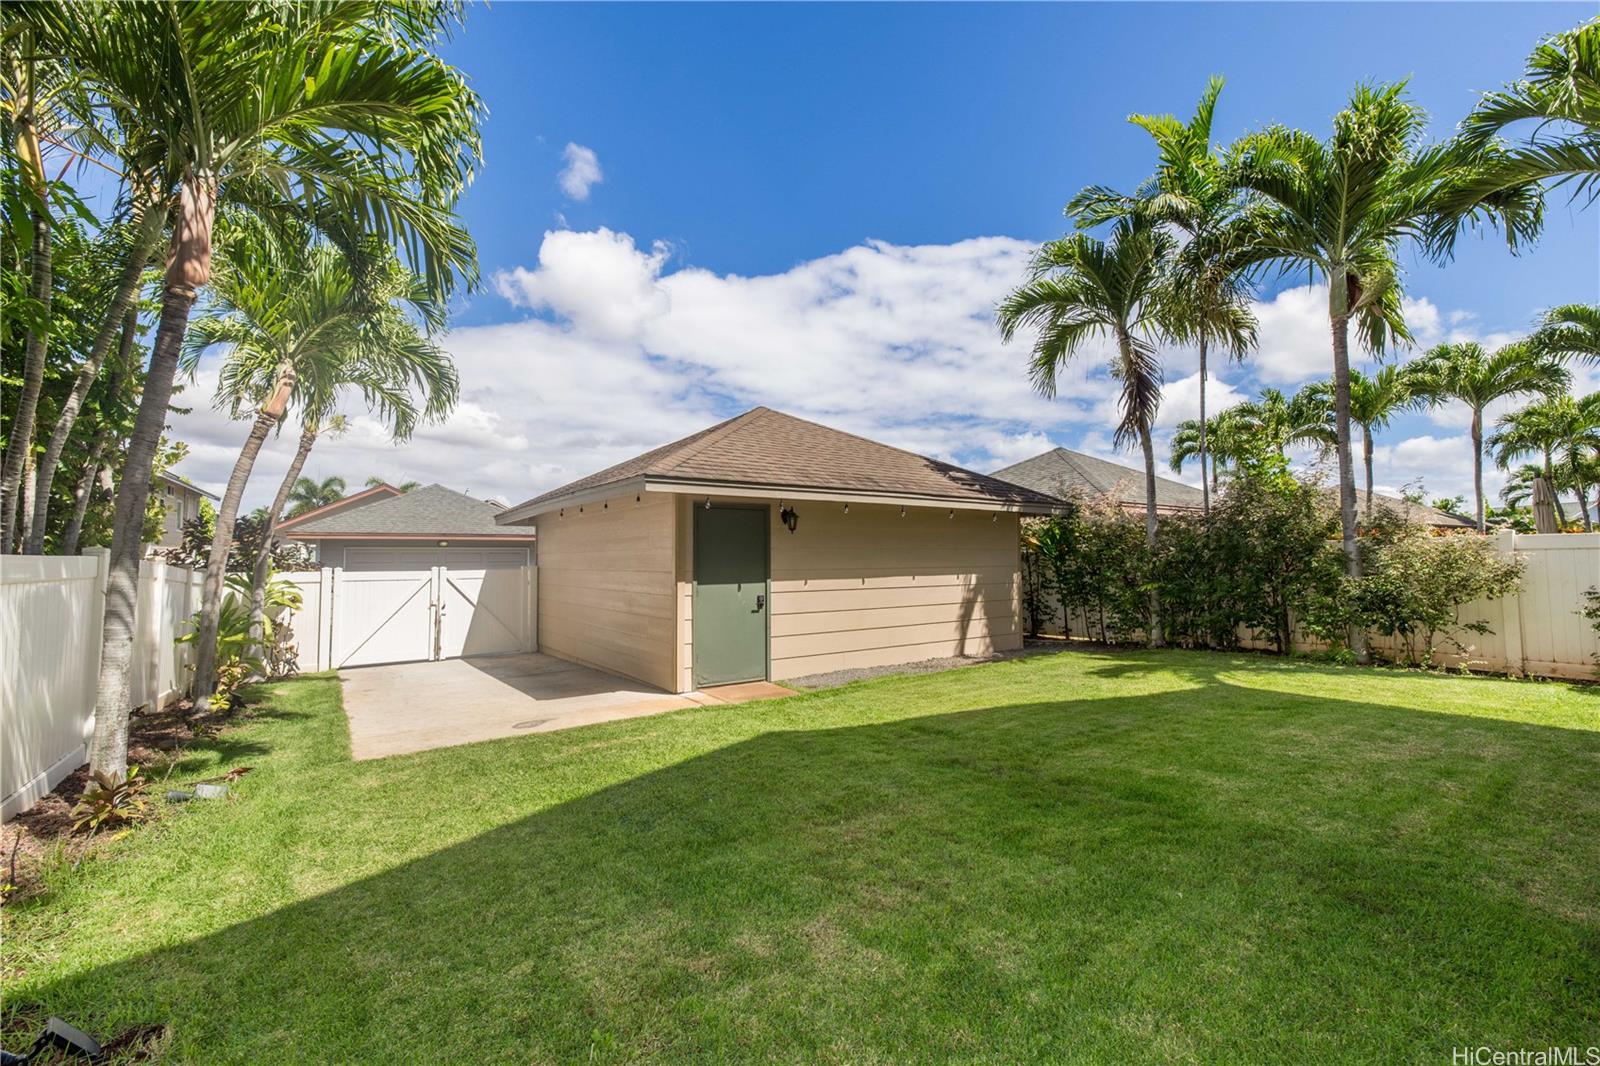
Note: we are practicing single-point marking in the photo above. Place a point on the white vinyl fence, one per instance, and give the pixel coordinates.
(51, 611)
(367, 617)
(1538, 630)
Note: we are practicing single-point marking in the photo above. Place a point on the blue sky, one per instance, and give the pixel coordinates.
(815, 207)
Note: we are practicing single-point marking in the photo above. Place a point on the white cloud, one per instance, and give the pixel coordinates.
(581, 172)
(620, 353)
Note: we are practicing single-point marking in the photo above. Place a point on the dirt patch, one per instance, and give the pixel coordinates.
(43, 835)
(1029, 649)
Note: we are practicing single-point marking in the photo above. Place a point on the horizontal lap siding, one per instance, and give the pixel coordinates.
(606, 596)
(870, 588)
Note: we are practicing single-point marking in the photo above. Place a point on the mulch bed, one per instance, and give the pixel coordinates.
(28, 841)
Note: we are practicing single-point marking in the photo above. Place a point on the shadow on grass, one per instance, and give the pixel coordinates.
(1210, 872)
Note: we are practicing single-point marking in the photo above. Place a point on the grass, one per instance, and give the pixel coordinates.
(1085, 857)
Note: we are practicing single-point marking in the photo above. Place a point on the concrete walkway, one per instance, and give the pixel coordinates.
(408, 707)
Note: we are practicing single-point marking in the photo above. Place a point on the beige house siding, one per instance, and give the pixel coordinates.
(872, 588)
(606, 592)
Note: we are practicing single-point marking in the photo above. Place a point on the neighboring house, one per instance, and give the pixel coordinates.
(180, 498)
(382, 528)
(1065, 474)
(768, 547)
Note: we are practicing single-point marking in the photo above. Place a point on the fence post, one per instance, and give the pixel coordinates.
(326, 592)
(1505, 543)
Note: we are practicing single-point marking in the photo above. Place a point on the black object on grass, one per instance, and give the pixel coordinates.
(57, 1036)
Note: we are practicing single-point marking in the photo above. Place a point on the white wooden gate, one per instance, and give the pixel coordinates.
(366, 617)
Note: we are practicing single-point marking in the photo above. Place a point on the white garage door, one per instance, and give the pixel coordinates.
(436, 612)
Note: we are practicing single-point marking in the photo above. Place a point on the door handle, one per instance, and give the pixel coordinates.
(761, 601)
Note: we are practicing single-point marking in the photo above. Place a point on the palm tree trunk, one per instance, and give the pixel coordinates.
(83, 492)
(1205, 489)
(1338, 300)
(1477, 465)
(188, 269)
(1155, 635)
(108, 750)
(1366, 458)
(148, 233)
(205, 657)
(21, 444)
(258, 581)
(1555, 493)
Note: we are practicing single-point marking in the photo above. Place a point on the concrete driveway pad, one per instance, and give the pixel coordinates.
(408, 707)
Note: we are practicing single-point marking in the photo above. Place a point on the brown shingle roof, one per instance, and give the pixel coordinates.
(1064, 473)
(768, 448)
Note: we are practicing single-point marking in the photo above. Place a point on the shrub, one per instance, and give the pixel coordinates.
(1413, 586)
(1267, 561)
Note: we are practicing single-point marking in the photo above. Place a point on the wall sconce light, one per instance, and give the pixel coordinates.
(902, 512)
(847, 508)
(952, 512)
(708, 503)
(789, 517)
(444, 544)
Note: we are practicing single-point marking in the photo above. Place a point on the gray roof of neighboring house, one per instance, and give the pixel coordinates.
(1064, 473)
(768, 449)
(179, 479)
(1416, 512)
(430, 511)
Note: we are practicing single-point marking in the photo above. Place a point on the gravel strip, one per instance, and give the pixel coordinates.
(926, 666)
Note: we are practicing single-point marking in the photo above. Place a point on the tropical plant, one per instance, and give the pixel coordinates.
(301, 323)
(1345, 208)
(1464, 371)
(1555, 425)
(404, 486)
(331, 113)
(111, 800)
(1416, 583)
(1374, 400)
(1081, 288)
(1191, 192)
(1230, 441)
(1570, 331)
(236, 659)
(308, 494)
(1560, 94)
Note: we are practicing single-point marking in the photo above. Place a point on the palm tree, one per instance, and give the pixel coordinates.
(1345, 207)
(1570, 332)
(301, 323)
(1517, 492)
(1230, 441)
(327, 112)
(1082, 288)
(1191, 191)
(1560, 430)
(1464, 371)
(1374, 400)
(1560, 94)
(405, 486)
(308, 495)
(1276, 422)
(25, 114)
(314, 424)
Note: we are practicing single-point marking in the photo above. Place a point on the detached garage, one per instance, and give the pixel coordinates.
(768, 547)
(412, 576)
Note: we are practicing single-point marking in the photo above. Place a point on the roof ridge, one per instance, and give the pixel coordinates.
(708, 437)
(887, 447)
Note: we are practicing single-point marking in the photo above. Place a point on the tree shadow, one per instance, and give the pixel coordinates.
(1201, 873)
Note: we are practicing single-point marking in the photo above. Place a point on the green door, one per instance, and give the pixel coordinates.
(730, 595)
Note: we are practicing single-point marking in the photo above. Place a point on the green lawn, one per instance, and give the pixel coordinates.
(1085, 857)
